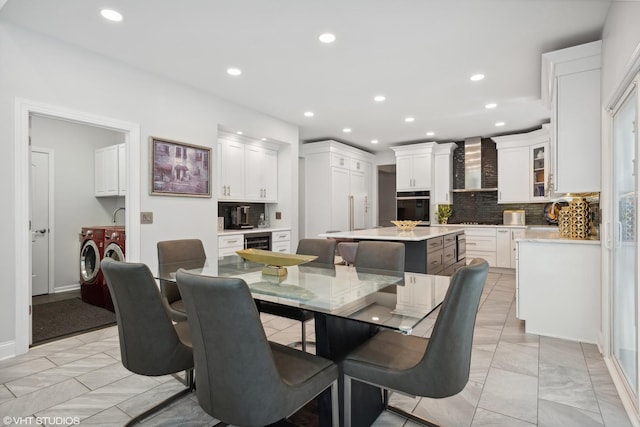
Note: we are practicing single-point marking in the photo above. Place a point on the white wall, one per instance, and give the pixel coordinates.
(45, 71)
(620, 38)
(76, 206)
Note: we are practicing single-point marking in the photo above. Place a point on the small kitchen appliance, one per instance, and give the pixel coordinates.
(241, 217)
(515, 217)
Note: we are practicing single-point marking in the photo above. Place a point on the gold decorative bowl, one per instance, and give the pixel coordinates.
(275, 262)
(407, 225)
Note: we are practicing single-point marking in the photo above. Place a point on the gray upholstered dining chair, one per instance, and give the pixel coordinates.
(347, 251)
(150, 344)
(172, 255)
(380, 255)
(243, 379)
(433, 367)
(325, 250)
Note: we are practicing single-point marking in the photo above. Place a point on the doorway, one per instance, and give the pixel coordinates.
(386, 194)
(22, 238)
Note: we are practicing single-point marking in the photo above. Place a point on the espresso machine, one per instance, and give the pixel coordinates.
(240, 217)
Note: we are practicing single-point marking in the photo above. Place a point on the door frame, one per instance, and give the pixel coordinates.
(52, 218)
(22, 237)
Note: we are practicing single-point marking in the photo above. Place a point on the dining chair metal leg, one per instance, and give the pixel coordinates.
(335, 405)
(347, 401)
(188, 381)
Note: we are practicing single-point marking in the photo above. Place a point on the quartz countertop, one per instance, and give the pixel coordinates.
(251, 230)
(480, 225)
(547, 234)
(394, 234)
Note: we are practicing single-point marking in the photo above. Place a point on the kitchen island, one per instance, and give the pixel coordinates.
(428, 250)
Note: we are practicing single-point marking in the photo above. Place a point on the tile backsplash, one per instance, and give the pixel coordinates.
(483, 207)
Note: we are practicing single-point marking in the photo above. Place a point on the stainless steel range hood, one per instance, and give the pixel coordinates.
(473, 167)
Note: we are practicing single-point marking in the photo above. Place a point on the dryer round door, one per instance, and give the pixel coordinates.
(114, 251)
(89, 261)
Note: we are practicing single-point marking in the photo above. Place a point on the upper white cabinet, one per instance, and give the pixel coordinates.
(110, 171)
(413, 166)
(338, 181)
(571, 89)
(523, 166)
(443, 173)
(247, 172)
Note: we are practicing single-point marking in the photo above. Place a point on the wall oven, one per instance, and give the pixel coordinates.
(413, 205)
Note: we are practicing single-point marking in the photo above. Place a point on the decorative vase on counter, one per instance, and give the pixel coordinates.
(580, 227)
(564, 221)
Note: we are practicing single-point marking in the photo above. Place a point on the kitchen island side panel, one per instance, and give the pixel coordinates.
(558, 291)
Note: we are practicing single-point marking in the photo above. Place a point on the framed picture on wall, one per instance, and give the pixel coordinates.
(180, 169)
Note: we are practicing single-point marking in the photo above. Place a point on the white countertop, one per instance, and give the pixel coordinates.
(480, 225)
(251, 230)
(542, 234)
(394, 234)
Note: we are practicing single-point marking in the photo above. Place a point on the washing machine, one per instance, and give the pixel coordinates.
(114, 247)
(91, 253)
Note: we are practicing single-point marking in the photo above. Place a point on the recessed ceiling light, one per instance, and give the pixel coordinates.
(327, 38)
(477, 77)
(491, 105)
(379, 98)
(111, 15)
(234, 71)
(308, 113)
(430, 133)
(499, 124)
(374, 141)
(239, 132)
(263, 139)
(346, 130)
(409, 119)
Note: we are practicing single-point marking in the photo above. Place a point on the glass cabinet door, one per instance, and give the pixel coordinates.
(539, 171)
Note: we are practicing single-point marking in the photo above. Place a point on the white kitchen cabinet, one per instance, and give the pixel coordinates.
(443, 173)
(231, 170)
(228, 244)
(506, 246)
(481, 243)
(558, 288)
(337, 187)
(414, 166)
(247, 172)
(523, 170)
(281, 241)
(571, 89)
(261, 170)
(110, 171)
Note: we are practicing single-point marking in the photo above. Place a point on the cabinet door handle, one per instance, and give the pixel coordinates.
(503, 231)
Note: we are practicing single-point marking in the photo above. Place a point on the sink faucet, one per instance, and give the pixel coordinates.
(114, 214)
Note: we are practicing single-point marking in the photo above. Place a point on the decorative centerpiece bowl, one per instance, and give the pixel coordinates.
(275, 262)
(407, 225)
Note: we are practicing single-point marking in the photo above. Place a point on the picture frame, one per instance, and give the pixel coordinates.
(180, 169)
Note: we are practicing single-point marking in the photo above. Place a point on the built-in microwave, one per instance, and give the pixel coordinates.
(413, 205)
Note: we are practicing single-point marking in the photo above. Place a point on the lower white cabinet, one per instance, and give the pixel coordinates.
(228, 244)
(481, 243)
(281, 241)
(506, 246)
(558, 288)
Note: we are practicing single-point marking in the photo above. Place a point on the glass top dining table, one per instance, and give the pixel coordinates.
(398, 301)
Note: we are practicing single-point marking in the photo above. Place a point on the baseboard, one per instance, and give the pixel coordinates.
(625, 397)
(67, 288)
(7, 350)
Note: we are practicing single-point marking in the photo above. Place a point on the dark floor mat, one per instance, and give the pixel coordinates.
(67, 317)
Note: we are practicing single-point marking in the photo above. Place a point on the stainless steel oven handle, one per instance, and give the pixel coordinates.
(414, 198)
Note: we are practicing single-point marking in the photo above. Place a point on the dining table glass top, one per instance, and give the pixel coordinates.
(389, 299)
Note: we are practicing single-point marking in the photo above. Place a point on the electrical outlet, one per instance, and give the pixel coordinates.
(278, 215)
(146, 217)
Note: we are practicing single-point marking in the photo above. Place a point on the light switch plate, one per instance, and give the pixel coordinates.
(278, 215)
(146, 217)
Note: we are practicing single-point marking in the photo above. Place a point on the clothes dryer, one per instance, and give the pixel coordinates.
(114, 247)
(91, 253)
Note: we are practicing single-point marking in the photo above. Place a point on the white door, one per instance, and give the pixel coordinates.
(40, 188)
(340, 199)
(358, 190)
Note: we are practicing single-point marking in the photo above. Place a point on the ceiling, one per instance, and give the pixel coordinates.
(420, 54)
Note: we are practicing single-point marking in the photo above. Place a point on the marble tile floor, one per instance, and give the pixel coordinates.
(517, 379)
